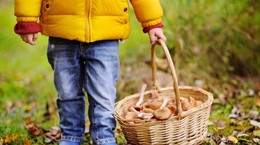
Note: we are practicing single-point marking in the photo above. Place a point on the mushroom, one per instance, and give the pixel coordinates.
(137, 105)
(163, 112)
(154, 104)
(154, 94)
(142, 115)
(173, 108)
(130, 115)
(141, 99)
(198, 102)
(147, 110)
(133, 117)
(185, 104)
(147, 113)
(192, 102)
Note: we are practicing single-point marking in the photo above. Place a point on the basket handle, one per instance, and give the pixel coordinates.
(173, 73)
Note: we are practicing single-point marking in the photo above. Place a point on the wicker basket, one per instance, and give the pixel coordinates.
(186, 128)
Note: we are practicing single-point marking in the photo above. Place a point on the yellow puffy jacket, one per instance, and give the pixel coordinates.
(87, 20)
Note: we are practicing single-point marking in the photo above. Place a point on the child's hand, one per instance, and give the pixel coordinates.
(29, 38)
(156, 33)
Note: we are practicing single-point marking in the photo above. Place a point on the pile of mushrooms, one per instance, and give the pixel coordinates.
(156, 107)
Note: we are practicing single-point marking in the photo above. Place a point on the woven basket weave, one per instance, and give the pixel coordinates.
(186, 128)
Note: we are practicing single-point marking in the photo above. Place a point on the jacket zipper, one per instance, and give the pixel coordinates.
(88, 13)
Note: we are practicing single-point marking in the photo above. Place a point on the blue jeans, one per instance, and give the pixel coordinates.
(93, 67)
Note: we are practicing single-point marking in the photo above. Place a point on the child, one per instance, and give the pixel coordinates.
(83, 52)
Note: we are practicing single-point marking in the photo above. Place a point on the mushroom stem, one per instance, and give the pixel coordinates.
(142, 115)
(154, 94)
(192, 102)
(139, 114)
(165, 101)
(141, 99)
(133, 110)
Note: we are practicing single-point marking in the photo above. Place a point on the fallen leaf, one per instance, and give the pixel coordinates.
(251, 92)
(240, 123)
(258, 101)
(242, 135)
(253, 113)
(15, 137)
(256, 140)
(220, 124)
(234, 133)
(27, 142)
(232, 116)
(33, 128)
(256, 133)
(56, 128)
(232, 139)
(35, 131)
(30, 125)
(199, 83)
(210, 123)
(54, 133)
(8, 139)
(222, 98)
(255, 123)
(233, 121)
(224, 139)
(216, 137)
(47, 140)
(1, 141)
(212, 142)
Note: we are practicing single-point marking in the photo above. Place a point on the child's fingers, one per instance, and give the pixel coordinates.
(152, 38)
(23, 38)
(155, 34)
(160, 35)
(35, 36)
(30, 38)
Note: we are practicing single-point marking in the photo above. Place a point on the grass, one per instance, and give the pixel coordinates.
(25, 79)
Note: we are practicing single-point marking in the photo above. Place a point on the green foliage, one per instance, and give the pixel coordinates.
(216, 37)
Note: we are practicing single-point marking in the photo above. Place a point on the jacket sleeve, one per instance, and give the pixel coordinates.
(27, 10)
(148, 12)
(27, 13)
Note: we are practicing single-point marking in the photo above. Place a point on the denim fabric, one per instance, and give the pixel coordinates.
(93, 67)
(69, 143)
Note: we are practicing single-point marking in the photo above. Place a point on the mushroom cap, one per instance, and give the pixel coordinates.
(130, 115)
(192, 102)
(155, 104)
(173, 108)
(137, 108)
(185, 104)
(147, 110)
(162, 114)
(198, 102)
